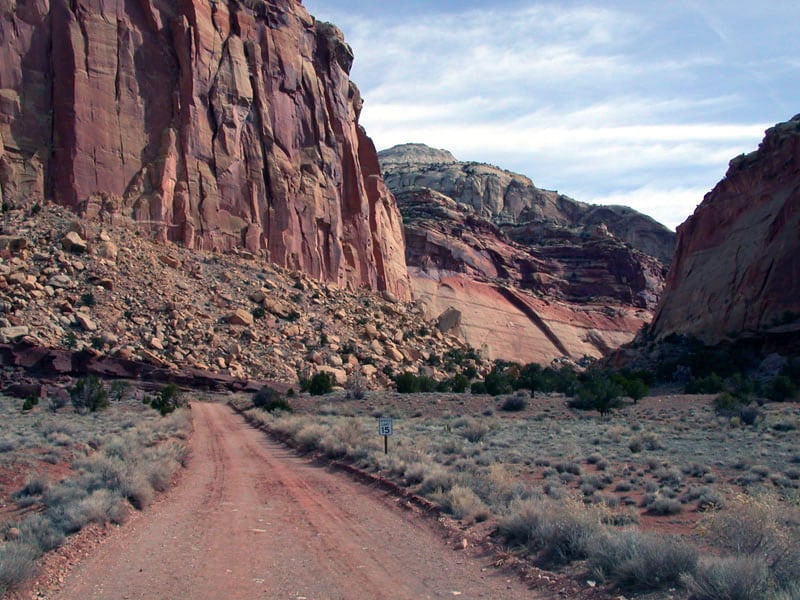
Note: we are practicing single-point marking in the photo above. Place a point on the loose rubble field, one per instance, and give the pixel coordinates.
(117, 292)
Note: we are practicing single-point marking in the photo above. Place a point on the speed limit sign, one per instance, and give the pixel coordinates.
(385, 429)
(384, 426)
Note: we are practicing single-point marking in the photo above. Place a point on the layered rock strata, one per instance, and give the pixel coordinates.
(736, 272)
(504, 197)
(219, 125)
(528, 293)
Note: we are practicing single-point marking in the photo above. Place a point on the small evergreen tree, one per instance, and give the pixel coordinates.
(88, 395)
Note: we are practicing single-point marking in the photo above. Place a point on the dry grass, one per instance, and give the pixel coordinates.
(567, 487)
(117, 458)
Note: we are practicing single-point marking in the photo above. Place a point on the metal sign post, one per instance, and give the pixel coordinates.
(385, 429)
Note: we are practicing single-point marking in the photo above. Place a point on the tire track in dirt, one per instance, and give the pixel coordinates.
(250, 519)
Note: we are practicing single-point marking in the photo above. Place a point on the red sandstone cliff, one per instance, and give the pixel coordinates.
(215, 124)
(736, 271)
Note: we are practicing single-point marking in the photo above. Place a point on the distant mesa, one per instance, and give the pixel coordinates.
(505, 197)
(533, 274)
(415, 154)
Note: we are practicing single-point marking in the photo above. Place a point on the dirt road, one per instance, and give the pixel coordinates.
(252, 520)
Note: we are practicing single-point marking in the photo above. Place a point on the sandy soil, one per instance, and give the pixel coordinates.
(252, 520)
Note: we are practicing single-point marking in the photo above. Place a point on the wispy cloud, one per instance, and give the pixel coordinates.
(606, 101)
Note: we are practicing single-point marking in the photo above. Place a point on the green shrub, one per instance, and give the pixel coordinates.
(498, 382)
(88, 299)
(459, 384)
(270, 400)
(530, 377)
(760, 527)
(729, 578)
(16, 564)
(118, 389)
(792, 370)
(514, 404)
(664, 506)
(356, 385)
(427, 384)
(56, 402)
(728, 405)
(444, 386)
(463, 503)
(477, 387)
(641, 560)
(407, 383)
(635, 389)
(88, 395)
(320, 384)
(749, 415)
(29, 403)
(710, 384)
(781, 388)
(168, 399)
(559, 532)
(597, 392)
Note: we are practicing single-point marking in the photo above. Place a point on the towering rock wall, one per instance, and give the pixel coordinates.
(217, 124)
(736, 271)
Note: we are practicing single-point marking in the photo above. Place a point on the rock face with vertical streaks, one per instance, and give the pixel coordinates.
(736, 272)
(218, 125)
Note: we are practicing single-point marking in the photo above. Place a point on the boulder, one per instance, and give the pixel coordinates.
(10, 334)
(13, 244)
(73, 242)
(276, 307)
(339, 375)
(170, 261)
(241, 317)
(107, 249)
(60, 281)
(449, 320)
(85, 322)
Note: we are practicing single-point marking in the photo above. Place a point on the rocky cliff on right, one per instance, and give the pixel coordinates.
(736, 270)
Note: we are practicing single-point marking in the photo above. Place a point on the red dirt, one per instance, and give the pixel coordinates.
(250, 519)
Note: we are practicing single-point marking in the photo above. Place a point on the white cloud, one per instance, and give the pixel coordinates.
(642, 104)
(670, 206)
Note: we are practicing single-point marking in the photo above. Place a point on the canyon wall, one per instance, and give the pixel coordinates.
(218, 125)
(736, 272)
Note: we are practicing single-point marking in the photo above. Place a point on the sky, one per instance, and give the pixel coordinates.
(631, 102)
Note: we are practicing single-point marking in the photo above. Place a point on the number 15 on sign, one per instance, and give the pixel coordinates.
(385, 429)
